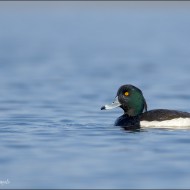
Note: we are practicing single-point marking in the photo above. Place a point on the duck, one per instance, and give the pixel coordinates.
(136, 114)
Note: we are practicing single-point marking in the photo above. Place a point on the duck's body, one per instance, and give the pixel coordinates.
(162, 118)
(131, 100)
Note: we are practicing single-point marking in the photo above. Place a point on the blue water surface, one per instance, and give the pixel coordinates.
(59, 63)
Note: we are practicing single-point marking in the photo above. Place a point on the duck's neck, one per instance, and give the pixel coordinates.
(135, 107)
(134, 111)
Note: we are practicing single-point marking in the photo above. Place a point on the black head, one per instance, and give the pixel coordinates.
(130, 99)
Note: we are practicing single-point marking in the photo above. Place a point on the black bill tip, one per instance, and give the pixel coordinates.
(103, 108)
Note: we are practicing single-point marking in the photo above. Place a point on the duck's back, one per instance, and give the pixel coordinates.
(163, 114)
(165, 118)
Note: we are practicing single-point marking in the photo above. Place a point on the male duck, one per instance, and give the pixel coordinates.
(131, 100)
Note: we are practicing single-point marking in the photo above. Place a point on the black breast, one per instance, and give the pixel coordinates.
(128, 122)
(163, 114)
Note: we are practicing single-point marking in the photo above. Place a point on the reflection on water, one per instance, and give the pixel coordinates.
(58, 66)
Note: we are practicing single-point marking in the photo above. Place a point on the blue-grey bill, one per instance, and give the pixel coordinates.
(115, 104)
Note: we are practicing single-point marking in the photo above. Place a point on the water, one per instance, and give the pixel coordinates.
(59, 64)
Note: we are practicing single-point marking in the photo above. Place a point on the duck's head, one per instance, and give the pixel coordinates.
(130, 99)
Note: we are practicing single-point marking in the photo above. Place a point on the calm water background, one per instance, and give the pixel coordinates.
(60, 62)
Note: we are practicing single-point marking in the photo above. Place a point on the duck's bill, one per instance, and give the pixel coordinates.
(115, 104)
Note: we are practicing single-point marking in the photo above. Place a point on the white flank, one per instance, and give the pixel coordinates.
(178, 123)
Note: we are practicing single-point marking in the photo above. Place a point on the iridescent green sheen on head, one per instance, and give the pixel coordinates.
(132, 100)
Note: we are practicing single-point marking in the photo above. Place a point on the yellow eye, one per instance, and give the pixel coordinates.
(126, 93)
